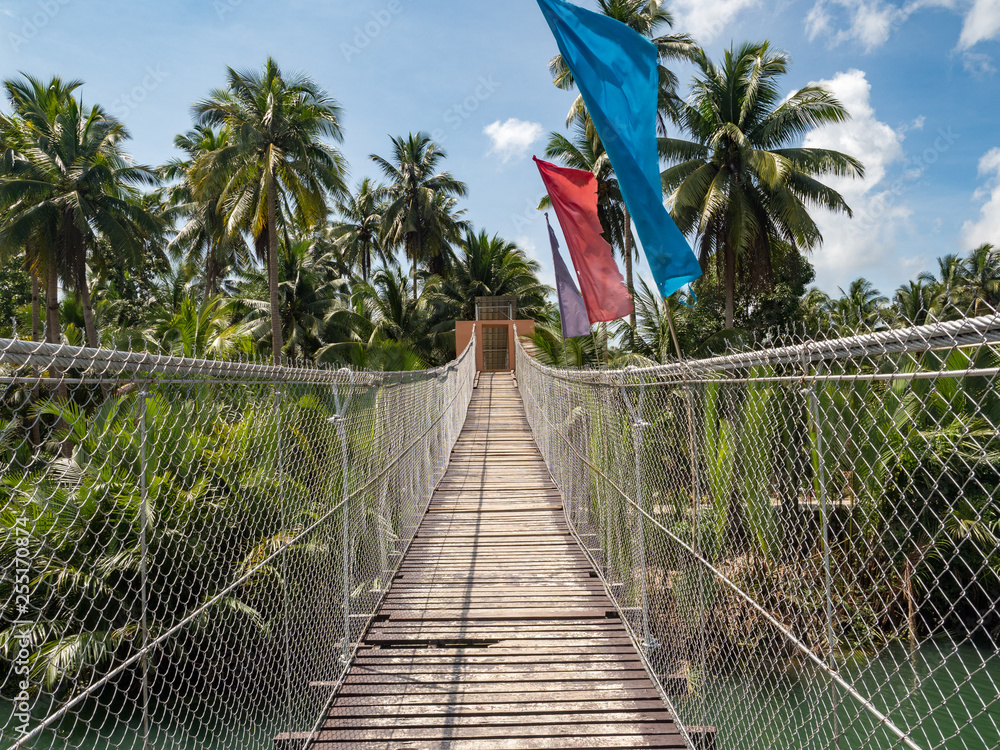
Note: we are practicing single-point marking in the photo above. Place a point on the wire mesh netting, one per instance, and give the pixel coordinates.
(803, 540)
(191, 550)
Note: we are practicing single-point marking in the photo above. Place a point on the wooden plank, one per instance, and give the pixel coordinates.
(339, 721)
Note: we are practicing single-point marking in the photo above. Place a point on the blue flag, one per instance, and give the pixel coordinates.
(572, 310)
(616, 70)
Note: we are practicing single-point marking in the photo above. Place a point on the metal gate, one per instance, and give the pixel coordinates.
(496, 355)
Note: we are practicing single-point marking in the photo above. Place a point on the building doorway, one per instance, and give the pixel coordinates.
(496, 354)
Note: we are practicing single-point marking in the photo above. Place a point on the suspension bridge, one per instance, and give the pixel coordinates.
(787, 547)
(496, 632)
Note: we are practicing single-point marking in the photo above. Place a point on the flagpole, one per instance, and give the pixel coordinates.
(673, 331)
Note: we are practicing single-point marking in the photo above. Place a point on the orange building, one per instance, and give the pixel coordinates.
(494, 325)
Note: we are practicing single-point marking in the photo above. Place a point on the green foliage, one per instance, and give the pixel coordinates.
(15, 298)
(759, 420)
(719, 445)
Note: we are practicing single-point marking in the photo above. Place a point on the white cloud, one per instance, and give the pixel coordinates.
(705, 20)
(512, 139)
(982, 23)
(854, 247)
(864, 136)
(870, 23)
(987, 227)
(979, 64)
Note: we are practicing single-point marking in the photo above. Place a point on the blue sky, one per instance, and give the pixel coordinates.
(920, 78)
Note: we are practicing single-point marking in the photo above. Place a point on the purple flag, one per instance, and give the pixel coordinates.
(572, 310)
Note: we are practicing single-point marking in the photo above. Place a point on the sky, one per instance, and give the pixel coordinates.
(920, 78)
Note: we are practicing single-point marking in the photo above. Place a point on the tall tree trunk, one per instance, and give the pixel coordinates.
(730, 280)
(36, 325)
(277, 344)
(89, 325)
(76, 253)
(211, 273)
(628, 269)
(413, 241)
(53, 334)
(36, 322)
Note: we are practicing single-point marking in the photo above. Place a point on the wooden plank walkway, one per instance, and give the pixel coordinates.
(496, 633)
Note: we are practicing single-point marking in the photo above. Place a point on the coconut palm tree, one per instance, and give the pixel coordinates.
(736, 185)
(651, 342)
(417, 207)
(949, 284)
(14, 140)
(314, 300)
(915, 302)
(393, 314)
(358, 233)
(201, 329)
(72, 190)
(277, 169)
(860, 309)
(493, 267)
(206, 239)
(982, 279)
(816, 307)
(548, 346)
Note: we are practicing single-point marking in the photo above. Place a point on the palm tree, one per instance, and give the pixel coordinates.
(199, 328)
(651, 341)
(418, 209)
(949, 284)
(982, 279)
(71, 190)
(816, 308)
(14, 140)
(276, 169)
(548, 346)
(734, 186)
(313, 299)
(861, 309)
(358, 233)
(393, 314)
(206, 239)
(915, 302)
(493, 267)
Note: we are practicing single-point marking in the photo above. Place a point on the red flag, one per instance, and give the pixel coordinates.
(574, 199)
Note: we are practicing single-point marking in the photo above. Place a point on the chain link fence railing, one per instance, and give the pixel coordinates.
(805, 540)
(191, 550)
